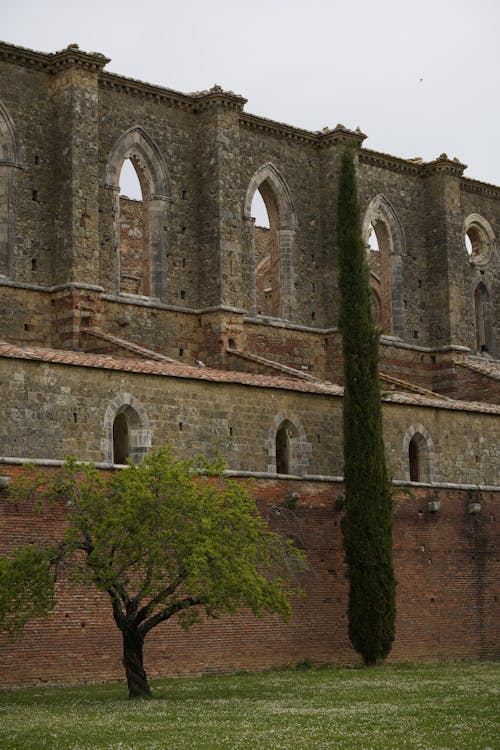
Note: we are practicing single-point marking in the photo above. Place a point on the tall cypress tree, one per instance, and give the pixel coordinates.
(367, 524)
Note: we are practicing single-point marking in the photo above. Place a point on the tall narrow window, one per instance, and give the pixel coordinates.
(379, 259)
(268, 264)
(282, 450)
(134, 231)
(137, 176)
(267, 261)
(413, 456)
(419, 452)
(121, 442)
(385, 246)
(482, 315)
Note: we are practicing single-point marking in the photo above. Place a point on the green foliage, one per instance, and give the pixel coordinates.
(367, 525)
(162, 538)
(26, 586)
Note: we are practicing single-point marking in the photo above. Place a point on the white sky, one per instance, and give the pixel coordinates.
(419, 78)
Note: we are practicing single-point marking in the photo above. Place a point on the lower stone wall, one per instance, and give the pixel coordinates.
(446, 565)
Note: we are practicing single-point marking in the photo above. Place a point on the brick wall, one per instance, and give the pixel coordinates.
(447, 596)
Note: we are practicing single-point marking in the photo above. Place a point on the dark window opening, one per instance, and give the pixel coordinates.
(282, 451)
(121, 443)
(413, 454)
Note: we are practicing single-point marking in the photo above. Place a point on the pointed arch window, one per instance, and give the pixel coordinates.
(135, 251)
(269, 261)
(385, 246)
(140, 220)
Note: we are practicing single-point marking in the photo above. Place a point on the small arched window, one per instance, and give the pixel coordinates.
(121, 441)
(127, 430)
(414, 460)
(419, 451)
(283, 449)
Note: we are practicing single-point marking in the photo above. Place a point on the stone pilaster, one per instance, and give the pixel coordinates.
(75, 95)
(443, 229)
(219, 208)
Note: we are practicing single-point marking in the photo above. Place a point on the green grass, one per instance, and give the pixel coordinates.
(450, 706)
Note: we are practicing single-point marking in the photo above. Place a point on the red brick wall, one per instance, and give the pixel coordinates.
(446, 566)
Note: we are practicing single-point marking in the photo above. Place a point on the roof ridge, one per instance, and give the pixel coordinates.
(275, 365)
(136, 348)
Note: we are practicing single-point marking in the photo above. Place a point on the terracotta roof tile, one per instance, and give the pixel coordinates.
(150, 367)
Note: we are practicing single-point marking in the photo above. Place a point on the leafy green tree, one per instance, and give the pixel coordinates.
(26, 586)
(160, 541)
(367, 524)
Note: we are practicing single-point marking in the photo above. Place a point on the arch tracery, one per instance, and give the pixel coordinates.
(141, 269)
(271, 268)
(386, 261)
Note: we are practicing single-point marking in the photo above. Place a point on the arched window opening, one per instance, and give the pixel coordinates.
(127, 431)
(482, 316)
(268, 264)
(121, 443)
(267, 257)
(137, 176)
(379, 260)
(385, 249)
(134, 230)
(479, 239)
(259, 211)
(282, 450)
(372, 239)
(419, 451)
(414, 459)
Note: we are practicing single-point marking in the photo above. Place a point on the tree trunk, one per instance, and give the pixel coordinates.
(132, 661)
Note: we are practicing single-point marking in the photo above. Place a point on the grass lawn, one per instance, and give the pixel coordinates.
(449, 706)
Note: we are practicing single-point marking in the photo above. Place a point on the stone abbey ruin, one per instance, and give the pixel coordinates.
(129, 324)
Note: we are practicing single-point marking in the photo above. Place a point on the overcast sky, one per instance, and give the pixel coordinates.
(419, 78)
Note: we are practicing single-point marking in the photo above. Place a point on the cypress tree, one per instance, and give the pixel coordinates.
(367, 523)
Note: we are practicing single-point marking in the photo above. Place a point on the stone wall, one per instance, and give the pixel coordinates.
(201, 158)
(62, 406)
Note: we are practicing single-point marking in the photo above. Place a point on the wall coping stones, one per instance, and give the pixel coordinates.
(20, 460)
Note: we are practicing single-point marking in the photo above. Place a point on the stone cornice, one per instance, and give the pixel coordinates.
(218, 99)
(475, 186)
(53, 62)
(149, 91)
(279, 129)
(443, 165)
(23, 56)
(73, 57)
(341, 136)
(393, 163)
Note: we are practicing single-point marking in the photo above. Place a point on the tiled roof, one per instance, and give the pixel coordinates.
(481, 365)
(151, 367)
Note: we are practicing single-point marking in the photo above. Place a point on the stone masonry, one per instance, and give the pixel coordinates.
(173, 319)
